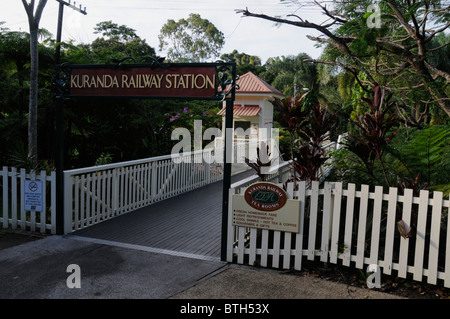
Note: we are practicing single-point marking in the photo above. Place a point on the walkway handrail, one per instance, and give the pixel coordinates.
(83, 170)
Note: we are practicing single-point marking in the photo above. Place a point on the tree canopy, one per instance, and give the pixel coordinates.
(191, 40)
(398, 50)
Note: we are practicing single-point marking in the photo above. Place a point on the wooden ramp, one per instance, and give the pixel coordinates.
(189, 223)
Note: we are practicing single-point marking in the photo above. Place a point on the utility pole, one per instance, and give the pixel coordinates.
(59, 145)
(73, 6)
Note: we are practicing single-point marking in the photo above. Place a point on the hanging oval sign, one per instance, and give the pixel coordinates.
(265, 196)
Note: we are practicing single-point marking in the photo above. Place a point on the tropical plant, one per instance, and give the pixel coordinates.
(287, 72)
(289, 113)
(374, 131)
(425, 155)
(310, 155)
(262, 160)
(308, 128)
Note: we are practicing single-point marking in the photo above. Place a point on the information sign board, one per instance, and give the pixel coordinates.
(33, 196)
(265, 206)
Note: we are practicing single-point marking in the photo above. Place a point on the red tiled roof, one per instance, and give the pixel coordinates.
(250, 83)
(242, 110)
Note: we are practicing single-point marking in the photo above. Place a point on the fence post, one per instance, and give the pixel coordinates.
(115, 192)
(22, 199)
(230, 227)
(43, 178)
(32, 212)
(337, 199)
(68, 198)
(327, 216)
(206, 163)
(154, 190)
(5, 197)
(447, 254)
(53, 202)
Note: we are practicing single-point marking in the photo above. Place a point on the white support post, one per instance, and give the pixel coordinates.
(5, 197)
(43, 178)
(22, 199)
(68, 197)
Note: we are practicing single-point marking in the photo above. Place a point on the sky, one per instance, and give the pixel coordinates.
(246, 34)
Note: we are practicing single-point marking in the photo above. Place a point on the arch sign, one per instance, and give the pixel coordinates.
(156, 80)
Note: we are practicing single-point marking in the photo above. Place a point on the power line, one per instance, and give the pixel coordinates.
(73, 6)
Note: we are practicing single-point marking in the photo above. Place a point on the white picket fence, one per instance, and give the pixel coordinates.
(353, 228)
(13, 213)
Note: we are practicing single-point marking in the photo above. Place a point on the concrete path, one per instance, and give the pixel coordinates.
(38, 270)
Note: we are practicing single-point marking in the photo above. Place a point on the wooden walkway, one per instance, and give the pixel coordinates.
(188, 224)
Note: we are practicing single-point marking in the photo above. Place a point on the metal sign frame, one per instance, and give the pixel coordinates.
(222, 91)
(225, 90)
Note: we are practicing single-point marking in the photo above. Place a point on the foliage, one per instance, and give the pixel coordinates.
(118, 42)
(289, 113)
(405, 52)
(373, 128)
(307, 131)
(309, 156)
(415, 158)
(190, 40)
(105, 158)
(113, 31)
(21, 157)
(244, 62)
(425, 155)
(285, 72)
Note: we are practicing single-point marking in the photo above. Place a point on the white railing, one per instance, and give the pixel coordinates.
(354, 227)
(98, 193)
(13, 213)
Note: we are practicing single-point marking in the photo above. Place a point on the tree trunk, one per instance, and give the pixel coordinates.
(441, 98)
(33, 103)
(33, 20)
(435, 90)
